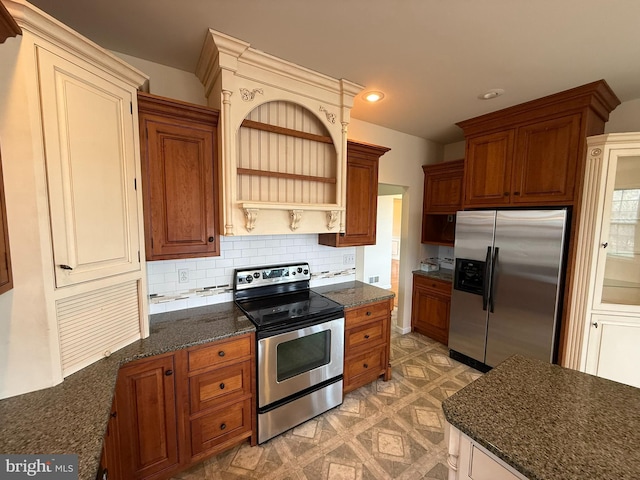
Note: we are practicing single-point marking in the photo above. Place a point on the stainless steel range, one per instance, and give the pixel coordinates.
(300, 336)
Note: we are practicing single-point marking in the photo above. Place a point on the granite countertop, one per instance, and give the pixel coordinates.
(443, 274)
(550, 422)
(72, 417)
(354, 293)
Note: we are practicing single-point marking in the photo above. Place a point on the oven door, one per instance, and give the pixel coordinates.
(296, 360)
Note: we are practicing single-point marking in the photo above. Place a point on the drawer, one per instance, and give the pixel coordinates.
(220, 352)
(356, 316)
(220, 425)
(367, 364)
(440, 286)
(208, 390)
(368, 334)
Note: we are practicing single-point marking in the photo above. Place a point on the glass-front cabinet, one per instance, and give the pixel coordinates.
(607, 297)
(618, 271)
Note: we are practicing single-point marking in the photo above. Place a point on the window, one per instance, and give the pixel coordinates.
(624, 222)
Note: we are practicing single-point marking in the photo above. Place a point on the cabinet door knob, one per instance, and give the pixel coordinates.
(211, 239)
(595, 324)
(223, 426)
(365, 365)
(366, 336)
(368, 314)
(222, 386)
(114, 414)
(221, 353)
(605, 244)
(168, 372)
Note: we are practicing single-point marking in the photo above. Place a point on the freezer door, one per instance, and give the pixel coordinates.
(524, 300)
(469, 307)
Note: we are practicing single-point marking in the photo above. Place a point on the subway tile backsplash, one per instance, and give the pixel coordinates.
(187, 283)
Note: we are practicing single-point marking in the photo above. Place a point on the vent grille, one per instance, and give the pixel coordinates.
(92, 323)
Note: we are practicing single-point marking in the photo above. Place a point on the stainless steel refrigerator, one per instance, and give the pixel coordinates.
(507, 287)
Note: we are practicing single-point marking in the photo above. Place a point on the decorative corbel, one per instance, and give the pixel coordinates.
(250, 215)
(248, 95)
(331, 117)
(295, 216)
(332, 218)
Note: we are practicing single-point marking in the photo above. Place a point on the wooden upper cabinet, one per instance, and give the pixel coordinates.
(6, 279)
(180, 178)
(530, 154)
(546, 160)
(488, 169)
(8, 25)
(362, 197)
(443, 187)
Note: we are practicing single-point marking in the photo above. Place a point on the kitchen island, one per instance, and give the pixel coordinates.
(72, 417)
(546, 423)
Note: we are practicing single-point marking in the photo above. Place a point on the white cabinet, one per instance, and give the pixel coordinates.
(91, 169)
(72, 151)
(468, 460)
(613, 350)
(604, 321)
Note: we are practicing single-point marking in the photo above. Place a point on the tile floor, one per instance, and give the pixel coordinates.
(385, 430)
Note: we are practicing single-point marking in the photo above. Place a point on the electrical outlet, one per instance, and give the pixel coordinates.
(183, 275)
(349, 259)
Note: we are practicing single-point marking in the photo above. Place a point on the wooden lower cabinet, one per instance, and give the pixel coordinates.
(430, 307)
(146, 410)
(220, 411)
(367, 343)
(173, 410)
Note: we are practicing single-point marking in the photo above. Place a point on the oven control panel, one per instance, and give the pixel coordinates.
(271, 275)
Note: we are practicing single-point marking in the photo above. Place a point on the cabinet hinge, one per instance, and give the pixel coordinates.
(131, 108)
(138, 256)
(135, 184)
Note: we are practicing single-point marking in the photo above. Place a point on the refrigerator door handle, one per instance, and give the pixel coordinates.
(492, 289)
(486, 280)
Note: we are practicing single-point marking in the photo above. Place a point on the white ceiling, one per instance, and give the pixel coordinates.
(432, 58)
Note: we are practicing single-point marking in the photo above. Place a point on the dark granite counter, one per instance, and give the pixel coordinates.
(550, 422)
(443, 274)
(354, 293)
(72, 417)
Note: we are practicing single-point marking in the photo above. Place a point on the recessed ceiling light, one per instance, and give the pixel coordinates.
(491, 94)
(373, 96)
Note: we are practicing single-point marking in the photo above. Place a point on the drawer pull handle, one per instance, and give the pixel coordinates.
(168, 372)
(368, 314)
(221, 353)
(366, 336)
(222, 386)
(223, 426)
(365, 365)
(211, 239)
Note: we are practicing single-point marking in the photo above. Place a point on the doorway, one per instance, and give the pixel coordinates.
(382, 260)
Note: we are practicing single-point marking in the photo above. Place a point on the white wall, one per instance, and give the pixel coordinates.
(167, 81)
(625, 118)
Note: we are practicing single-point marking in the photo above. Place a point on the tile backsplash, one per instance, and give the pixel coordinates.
(187, 283)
